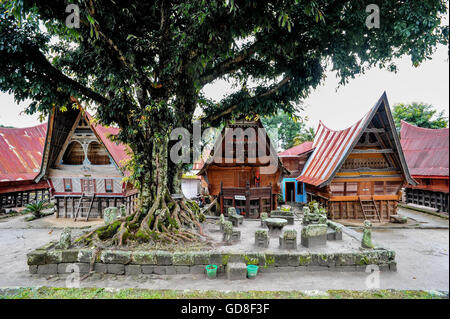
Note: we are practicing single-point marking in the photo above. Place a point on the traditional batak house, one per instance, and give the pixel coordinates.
(243, 170)
(358, 173)
(82, 166)
(294, 159)
(20, 158)
(427, 155)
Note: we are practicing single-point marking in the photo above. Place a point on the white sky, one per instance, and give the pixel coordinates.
(337, 107)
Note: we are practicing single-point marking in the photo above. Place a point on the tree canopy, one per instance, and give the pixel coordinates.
(419, 114)
(143, 65)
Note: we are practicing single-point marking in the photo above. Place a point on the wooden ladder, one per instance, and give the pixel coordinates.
(369, 209)
(86, 202)
(86, 199)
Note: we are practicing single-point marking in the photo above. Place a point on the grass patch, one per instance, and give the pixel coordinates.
(133, 293)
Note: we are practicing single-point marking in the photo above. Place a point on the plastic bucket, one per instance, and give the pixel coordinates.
(252, 270)
(211, 271)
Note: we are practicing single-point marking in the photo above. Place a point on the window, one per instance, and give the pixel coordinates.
(392, 188)
(379, 188)
(108, 185)
(351, 189)
(337, 189)
(67, 184)
(299, 188)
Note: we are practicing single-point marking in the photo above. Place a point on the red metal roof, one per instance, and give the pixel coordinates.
(21, 152)
(426, 150)
(330, 149)
(297, 150)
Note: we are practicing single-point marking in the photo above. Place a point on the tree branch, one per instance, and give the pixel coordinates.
(266, 94)
(228, 65)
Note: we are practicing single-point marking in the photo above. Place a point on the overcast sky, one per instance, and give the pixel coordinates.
(337, 107)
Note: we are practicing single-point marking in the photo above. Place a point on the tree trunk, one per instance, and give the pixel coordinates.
(158, 216)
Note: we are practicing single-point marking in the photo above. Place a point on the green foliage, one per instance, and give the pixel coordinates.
(282, 128)
(37, 208)
(306, 134)
(419, 114)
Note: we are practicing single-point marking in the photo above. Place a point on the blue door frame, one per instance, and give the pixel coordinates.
(299, 198)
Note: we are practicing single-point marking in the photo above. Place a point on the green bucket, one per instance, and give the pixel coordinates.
(211, 271)
(252, 270)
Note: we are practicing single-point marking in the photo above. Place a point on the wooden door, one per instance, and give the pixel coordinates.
(365, 189)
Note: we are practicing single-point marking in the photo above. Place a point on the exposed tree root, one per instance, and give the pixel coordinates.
(168, 220)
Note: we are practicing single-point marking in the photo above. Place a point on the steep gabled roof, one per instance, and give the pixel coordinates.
(426, 150)
(220, 140)
(297, 150)
(60, 126)
(331, 148)
(21, 152)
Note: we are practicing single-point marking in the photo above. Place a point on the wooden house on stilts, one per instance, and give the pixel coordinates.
(243, 169)
(358, 172)
(427, 155)
(82, 166)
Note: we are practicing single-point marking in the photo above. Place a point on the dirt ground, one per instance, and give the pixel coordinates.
(422, 257)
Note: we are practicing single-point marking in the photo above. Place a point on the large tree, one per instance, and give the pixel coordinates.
(419, 114)
(144, 64)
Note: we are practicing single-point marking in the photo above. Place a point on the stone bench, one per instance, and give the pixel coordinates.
(262, 238)
(236, 271)
(334, 231)
(314, 235)
(288, 240)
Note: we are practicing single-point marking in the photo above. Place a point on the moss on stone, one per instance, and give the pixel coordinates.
(304, 259)
(182, 259)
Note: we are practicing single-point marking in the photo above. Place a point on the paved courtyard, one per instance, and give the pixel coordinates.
(422, 257)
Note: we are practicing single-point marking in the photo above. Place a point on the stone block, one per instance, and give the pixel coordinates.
(201, 258)
(147, 269)
(100, 268)
(54, 256)
(163, 258)
(67, 268)
(37, 257)
(48, 269)
(117, 269)
(182, 259)
(159, 270)
(133, 270)
(116, 257)
(215, 258)
(316, 241)
(69, 256)
(33, 269)
(84, 255)
(182, 270)
(393, 266)
(143, 258)
(236, 271)
(197, 269)
(171, 270)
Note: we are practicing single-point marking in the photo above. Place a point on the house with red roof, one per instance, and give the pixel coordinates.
(294, 159)
(70, 158)
(427, 155)
(358, 173)
(20, 159)
(83, 166)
